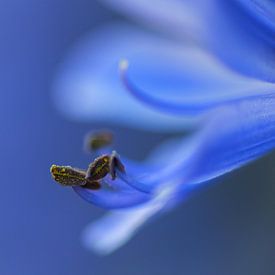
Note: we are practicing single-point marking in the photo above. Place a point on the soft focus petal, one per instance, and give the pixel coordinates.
(174, 17)
(89, 88)
(241, 33)
(233, 135)
(117, 227)
(88, 85)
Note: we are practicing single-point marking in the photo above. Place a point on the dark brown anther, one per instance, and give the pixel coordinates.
(69, 176)
(99, 168)
(103, 165)
(97, 140)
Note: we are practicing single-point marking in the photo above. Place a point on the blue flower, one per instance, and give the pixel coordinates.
(173, 84)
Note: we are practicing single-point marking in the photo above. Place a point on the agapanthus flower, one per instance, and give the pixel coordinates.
(211, 68)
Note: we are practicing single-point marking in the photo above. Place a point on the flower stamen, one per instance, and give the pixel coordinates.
(97, 170)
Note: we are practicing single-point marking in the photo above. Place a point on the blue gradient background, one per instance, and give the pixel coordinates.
(227, 229)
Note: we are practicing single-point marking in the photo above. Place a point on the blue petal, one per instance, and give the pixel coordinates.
(235, 135)
(113, 194)
(242, 33)
(88, 86)
(231, 136)
(117, 227)
(118, 193)
(194, 90)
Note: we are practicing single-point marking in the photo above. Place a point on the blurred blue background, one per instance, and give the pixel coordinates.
(227, 229)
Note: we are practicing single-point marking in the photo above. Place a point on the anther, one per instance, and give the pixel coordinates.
(69, 176)
(97, 140)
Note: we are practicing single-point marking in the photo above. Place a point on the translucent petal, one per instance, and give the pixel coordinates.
(240, 32)
(194, 90)
(113, 194)
(231, 136)
(235, 135)
(118, 193)
(117, 227)
(88, 86)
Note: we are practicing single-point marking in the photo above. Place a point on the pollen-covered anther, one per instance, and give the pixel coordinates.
(92, 179)
(69, 176)
(103, 165)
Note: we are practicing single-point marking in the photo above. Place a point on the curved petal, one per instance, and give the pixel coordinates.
(88, 86)
(113, 194)
(231, 136)
(118, 193)
(235, 135)
(117, 227)
(194, 91)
